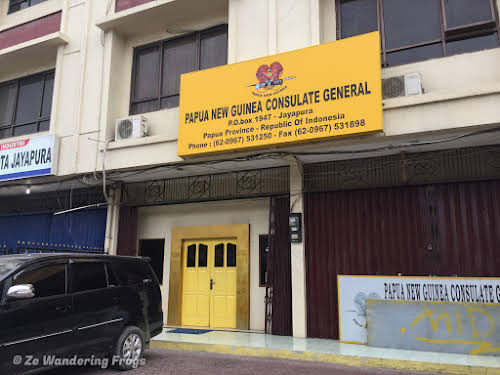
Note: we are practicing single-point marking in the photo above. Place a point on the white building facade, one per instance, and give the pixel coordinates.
(216, 226)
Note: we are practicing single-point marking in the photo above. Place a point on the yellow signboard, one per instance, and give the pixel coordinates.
(310, 94)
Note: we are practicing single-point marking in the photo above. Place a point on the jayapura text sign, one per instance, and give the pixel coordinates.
(28, 157)
(354, 290)
(315, 93)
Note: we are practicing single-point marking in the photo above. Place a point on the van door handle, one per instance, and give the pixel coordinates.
(63, 308)
(211, 284)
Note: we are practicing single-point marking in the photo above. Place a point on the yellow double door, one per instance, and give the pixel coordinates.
(209, 283)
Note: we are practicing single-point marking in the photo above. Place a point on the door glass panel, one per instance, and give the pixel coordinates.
(231, 255)
(129, 273)
(202, 255)
(466, 12)
(191, 256)
(88, 276)
(112, 280)
(47, 281)
(219, 255)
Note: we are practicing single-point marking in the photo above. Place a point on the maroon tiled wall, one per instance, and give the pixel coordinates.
(30, 30)
(126, 4)
(127, 232)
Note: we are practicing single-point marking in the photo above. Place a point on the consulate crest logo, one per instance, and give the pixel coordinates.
(269, 80)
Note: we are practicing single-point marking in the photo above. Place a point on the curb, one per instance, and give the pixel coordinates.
(346, 360)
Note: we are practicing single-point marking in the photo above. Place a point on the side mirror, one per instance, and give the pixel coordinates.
(21, 291)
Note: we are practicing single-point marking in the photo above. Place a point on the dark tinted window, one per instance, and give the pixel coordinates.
(424, 29)
(47, 281)
(409, 22)
(202, 255)
(406, 56)
(358, 17)
(155, 250)
(158, 67)
(466, 12)
(7, 100)
(147, 72)
(130, 273)
(112, 279)
(191, 256)
(472, 44)
(15, 5)
(87, 276)
(231, 255)
(213, 49)
(179, 56)
(29, 99)
(26, 105)
(219, 255)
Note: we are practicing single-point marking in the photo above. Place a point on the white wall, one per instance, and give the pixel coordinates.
(93, 71)
(454, 86)
(157, 222)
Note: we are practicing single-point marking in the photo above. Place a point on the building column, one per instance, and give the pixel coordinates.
(299, 312)
(112, 219)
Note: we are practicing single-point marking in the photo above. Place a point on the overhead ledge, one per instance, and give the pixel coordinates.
(31, 50)
(158, 15)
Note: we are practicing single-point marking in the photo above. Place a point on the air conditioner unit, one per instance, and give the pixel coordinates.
(131, 127)
(406, 85)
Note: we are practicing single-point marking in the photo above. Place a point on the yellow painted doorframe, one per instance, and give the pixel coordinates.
(242, 234)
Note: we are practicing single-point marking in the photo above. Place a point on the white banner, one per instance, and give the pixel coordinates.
(27, 157)
(354, 290)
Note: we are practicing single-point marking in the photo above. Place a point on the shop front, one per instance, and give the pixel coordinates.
(211, 235)
(424, 214)
(38, 212)
(46, 222)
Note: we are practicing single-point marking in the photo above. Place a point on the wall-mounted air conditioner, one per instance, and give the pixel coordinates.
(131, 127)
(406, 85)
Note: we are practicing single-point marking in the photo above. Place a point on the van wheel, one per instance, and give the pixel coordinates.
(129, 349)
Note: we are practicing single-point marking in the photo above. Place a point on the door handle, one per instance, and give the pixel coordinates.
(63, 308)
(211, 284)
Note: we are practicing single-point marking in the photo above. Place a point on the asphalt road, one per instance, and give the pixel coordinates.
(160, 361)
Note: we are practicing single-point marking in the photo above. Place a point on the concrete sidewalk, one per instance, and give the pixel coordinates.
(330, 351)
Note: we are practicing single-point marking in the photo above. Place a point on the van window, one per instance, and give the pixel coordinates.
(87, 276)
(48, 281)
(130, 273)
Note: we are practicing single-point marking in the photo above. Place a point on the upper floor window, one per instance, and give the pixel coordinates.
(157, 67)
(26, 104)
(15, 5)
(418, 30)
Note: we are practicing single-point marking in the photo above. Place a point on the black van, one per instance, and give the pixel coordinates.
(72, 309)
